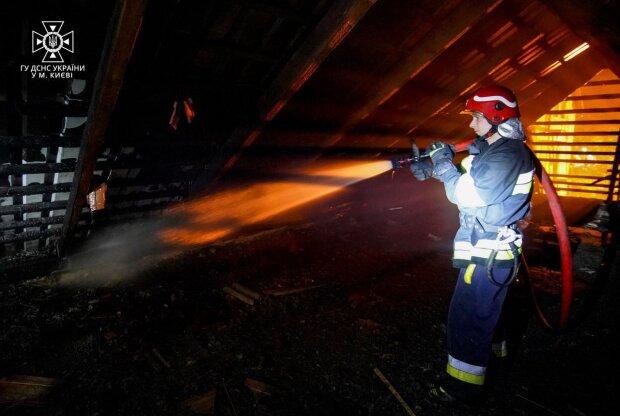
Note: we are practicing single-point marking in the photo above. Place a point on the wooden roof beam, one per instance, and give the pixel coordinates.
(595, 22)
(426, 50)
(118, 47)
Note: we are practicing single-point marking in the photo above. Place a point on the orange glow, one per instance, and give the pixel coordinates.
(574, 142)
(340, 34)
(550, 68)
(502, 34)
(457, 37)
(493, 6)
(275, 110)
(216, 216)
(420, 69)
(304, 77)
(579, 49)
(389, 95)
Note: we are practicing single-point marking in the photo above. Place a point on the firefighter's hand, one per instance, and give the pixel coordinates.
(440, 151)
(421, 170)
(441, 154)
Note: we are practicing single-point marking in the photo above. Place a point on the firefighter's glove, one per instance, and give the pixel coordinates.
(421, 170)
(439, 151)
(441, 154)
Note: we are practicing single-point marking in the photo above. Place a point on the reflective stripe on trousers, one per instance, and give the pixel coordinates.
(475, 309)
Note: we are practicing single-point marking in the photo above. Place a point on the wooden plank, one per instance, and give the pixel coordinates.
(575, 122)
(29, 168)
(32, 222)
(39, 141)
(34, 189)
(238, 295)
(203, 404)
(614, 172)
(566, 152)
(592, 97)
(69, 166)
(246, 291)
(586, 110)
(140, 196)
(25, 389)
(118, 47)
(576, 162)
(33, 207)
(30, 235)
(295, 290)
(577, 133)
(572, 143)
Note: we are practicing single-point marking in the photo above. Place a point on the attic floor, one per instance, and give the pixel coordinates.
(372, 267)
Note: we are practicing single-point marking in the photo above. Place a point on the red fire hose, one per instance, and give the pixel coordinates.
(563, 241)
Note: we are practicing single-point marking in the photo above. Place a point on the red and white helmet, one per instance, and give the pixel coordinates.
(496, 103)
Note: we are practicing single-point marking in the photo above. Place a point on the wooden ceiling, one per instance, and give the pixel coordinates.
(267, 78)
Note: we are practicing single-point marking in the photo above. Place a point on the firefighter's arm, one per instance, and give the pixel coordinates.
(493, 182)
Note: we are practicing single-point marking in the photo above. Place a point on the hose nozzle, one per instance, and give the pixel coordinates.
(401, 163)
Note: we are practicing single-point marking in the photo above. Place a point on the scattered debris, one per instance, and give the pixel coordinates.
(161, 358)
(402, 401)
(545, 408)
(246, 291)
(258, 387)
(283, 292)
(232, 405)
(25, 389)
(203, 404)
(370, 326)
(232, 292)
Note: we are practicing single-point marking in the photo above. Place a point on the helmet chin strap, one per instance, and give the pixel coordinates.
(491, 131)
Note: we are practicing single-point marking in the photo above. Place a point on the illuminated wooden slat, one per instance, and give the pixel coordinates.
(585, 111)
(595, 185)
(577, 162)
(599, 83)
(578, 133)
(593, 97)
(567, 152)
(578, 177)
(574, 122)
(580, 190)
(533, 143)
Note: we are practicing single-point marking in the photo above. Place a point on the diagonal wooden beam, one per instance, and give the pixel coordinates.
(596, 22)
(118, 47)
(339, 20)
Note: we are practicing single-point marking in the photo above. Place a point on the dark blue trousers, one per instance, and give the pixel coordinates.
(473, 318)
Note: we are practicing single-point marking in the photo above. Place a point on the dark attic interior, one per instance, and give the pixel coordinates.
(199, 214)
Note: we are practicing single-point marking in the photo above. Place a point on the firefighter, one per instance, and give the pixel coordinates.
(492, 188)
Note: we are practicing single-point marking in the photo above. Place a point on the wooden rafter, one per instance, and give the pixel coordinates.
(342, 17)
(118, 47)
(433, 44)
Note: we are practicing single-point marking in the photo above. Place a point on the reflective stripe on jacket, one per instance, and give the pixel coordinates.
(493, 189)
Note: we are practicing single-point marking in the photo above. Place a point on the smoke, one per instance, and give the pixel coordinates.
(121, 253)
